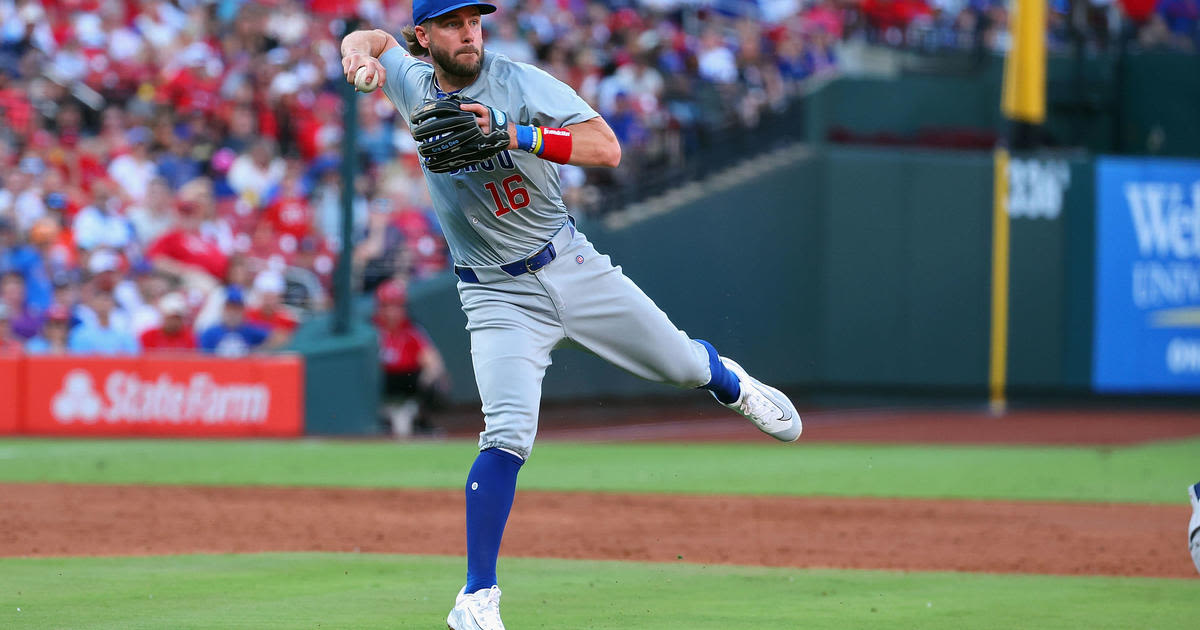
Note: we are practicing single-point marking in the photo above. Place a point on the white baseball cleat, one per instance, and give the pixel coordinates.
(476, 611)
(1194, 524)
(765, 406)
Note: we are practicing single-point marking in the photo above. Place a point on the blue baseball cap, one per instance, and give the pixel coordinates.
(426, 9)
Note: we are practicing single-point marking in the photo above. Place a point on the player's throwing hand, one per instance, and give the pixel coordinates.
(355, 60)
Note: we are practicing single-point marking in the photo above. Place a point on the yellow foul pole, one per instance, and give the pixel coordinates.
(1024, 95)
(1023, 99)
(998, 368)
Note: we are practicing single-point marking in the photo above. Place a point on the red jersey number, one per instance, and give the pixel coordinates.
(515, 194)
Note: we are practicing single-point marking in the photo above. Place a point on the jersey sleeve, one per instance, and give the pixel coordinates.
(549, 102)
(403, 86)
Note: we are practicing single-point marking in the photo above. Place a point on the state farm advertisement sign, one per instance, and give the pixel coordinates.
(164, 396)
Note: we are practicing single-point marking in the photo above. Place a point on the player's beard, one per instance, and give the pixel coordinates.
(450, 64)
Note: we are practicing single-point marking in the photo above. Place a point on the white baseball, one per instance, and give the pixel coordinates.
(360, 82)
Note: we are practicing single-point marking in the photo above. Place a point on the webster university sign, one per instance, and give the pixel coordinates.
(1147, 317)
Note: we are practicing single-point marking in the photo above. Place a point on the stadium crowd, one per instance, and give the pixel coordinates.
(170, 168)
(939, 25)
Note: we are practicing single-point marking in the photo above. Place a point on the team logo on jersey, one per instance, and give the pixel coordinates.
(579, 260)
(502, 160)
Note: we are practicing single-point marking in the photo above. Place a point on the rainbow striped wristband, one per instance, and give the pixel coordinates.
(529, 138)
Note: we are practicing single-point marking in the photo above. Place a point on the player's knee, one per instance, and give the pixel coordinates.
(690, 373)
(510, 432)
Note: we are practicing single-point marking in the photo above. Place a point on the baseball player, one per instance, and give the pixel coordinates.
(1194, 524)
(491, 133)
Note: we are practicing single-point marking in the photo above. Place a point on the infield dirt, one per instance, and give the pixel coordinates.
(908, 534)
(1121, 539)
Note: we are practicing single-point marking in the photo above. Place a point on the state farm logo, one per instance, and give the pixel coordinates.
(76, 399)
(128, 398)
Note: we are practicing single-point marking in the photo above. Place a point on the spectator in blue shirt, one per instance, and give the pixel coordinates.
(54, 334)
(25, 322)
(8, 243)
(33, 261)
(100, 336)
(233, 337)
(176, 164)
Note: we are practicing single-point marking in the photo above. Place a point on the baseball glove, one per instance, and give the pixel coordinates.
(451, 138)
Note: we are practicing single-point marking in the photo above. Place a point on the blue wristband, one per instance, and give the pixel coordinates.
(525, 137)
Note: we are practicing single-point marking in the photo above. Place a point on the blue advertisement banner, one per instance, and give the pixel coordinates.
(1147, 332)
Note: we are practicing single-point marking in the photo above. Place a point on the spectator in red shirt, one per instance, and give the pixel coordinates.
(290, 213)
(174, 334)
(420, 235)
(187, 254)
(318, 128)
(414, 376)
(270, 311)
(894, 15)
(193, 88)
(266, 250)
(18, 112)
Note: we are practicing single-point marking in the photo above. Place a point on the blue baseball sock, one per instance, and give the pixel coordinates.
(724, 383)
(491, 485)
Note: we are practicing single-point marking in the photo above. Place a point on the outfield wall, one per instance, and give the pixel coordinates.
(869, 270)
(847, 268)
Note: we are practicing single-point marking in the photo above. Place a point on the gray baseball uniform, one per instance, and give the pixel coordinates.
(508, 208)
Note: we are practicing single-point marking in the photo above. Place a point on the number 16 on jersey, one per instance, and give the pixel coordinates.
(514, 193)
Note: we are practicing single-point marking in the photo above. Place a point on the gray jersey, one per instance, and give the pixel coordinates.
(507, 207)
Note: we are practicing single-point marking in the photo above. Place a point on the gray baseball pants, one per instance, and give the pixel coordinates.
(579, 299)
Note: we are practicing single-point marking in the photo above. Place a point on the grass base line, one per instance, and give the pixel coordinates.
(1154, 473)
(370, 592)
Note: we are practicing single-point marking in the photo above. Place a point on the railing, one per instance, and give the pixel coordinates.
(703, 150)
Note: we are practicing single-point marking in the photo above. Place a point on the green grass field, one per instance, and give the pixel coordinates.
(285, 591)
(1148, 473)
